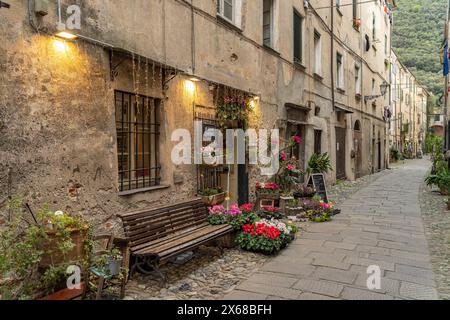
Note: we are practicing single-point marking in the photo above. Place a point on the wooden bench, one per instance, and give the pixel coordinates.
(158, 235)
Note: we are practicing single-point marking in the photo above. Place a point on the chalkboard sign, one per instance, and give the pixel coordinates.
(318, 181)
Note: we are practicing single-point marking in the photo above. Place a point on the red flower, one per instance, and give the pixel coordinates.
(247, 208)
(283, 156)
(290, 167)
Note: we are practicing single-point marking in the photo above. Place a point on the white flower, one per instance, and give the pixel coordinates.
(59, 213)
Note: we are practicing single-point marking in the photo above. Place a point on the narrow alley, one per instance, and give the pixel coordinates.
(380, 225)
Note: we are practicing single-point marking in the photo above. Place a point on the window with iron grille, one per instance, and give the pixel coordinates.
(138, 129)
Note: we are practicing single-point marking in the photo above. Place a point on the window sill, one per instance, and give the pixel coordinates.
(318, 77)
(340, 90)
(142, 190)
(271, 50)
(228, 23)
(299, 66)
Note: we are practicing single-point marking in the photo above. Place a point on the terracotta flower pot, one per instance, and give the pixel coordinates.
(53, 256)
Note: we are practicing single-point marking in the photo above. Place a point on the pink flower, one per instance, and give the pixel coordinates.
(283, 156)
(291, 167)
(298, 140)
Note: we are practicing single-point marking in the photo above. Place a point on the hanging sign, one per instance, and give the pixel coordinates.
(318, 181)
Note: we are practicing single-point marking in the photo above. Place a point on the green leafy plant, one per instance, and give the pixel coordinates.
(441, 179)
(25, 245)
(396, 155)
(319, 163)
(209, 192)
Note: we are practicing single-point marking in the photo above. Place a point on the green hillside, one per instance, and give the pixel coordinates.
(417, 38)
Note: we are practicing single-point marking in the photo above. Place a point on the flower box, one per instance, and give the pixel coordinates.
(214, 200)
(53, 256)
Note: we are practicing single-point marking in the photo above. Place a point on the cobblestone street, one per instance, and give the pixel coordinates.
(381, 224)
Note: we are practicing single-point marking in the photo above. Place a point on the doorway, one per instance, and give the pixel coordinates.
(340, 154)
(357, 138)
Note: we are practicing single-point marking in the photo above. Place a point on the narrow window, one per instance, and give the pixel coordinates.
(318, 141)
(268, 23)
(357, 79)
(317, 53)
(225, 8)
(373, 86)
(340, 71)
(298, 38)
(355, 10)
(374, 28)
(386, 48)
(137, 126)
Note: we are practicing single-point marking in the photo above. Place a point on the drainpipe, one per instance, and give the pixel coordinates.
(332, 54)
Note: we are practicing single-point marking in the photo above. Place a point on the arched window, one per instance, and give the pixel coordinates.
(357, 126)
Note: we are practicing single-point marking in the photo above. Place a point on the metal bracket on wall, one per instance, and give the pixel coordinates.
(4, 5)
(166, 79)
(113, 68)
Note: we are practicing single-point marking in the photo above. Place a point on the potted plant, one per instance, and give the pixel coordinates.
(213, 196)
(35, 254)
(441, 179)
(266, 236)
(270, 213)
(108, 264)
(319, 164)
(268, 190)
(323, 214)
(302, 191)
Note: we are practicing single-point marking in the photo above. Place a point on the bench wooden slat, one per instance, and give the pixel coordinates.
(166, 216)
(177, 245)
(159, 247)
(165, 225)
(144, 212)
(152, 236)
(197, 215)
(168, 238)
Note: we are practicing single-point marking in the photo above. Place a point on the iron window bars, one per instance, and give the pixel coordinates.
(138, 131)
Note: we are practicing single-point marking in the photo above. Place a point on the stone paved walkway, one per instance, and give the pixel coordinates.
(380, 225)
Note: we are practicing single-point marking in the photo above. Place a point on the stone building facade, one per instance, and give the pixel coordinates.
(86, 125)
(409, 102)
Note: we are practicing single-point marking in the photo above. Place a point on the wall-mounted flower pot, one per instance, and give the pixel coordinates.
(214, 200)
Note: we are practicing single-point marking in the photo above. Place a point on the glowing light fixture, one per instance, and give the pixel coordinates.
(66, 35)
(60, 46)
(190, 86)
(194, 79)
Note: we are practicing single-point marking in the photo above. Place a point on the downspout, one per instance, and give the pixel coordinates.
(332, 55)
(193, 38)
